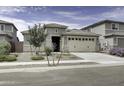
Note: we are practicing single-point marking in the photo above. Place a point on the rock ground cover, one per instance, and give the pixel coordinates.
(26, 57)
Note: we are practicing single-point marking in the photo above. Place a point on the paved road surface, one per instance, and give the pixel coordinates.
(73, 76)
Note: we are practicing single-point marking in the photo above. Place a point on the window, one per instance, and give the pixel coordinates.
(79, 39)
(89, 39)
(86, 39)
(69, 38)
(76, 39)
(115, 26)
(83, 39)
(92, 39)
(72, 38)
(8, 28)
(2, 28)
(56, 30)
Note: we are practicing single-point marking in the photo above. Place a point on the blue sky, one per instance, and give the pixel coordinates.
(72, 16)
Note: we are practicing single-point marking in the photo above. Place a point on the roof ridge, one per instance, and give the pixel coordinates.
(100, 22)
(6, 21)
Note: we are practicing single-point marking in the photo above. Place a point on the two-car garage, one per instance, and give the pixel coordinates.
(81, 41)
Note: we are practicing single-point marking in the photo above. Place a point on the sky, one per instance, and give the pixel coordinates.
(72, 16)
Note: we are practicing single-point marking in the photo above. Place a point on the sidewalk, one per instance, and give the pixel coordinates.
(74, 62)
(49, 68)
(40, 62)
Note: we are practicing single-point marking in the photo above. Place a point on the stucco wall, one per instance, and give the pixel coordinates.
(108, 26)
(65, 44)
(50, 31)
(100, 29)
(110, 42)
(2, 38)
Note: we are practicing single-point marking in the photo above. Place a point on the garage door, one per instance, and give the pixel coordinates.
(121, 42)
(81, 44)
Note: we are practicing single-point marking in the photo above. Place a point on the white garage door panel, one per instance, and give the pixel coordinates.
(121, 42)
(81, 46)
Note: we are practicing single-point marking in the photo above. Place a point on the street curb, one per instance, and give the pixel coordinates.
(40, 62)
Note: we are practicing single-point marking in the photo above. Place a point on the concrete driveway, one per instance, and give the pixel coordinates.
(100, 58)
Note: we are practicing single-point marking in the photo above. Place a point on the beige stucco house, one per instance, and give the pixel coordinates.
(66, 40)
(8, 32)
(112, 33)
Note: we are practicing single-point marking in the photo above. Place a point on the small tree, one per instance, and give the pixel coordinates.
(37, 37)
(53, 54)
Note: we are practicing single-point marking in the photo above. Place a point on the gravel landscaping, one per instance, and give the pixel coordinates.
(26, 57)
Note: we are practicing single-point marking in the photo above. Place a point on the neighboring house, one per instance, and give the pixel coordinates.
(112, 33)
(8, 32)
(66, 40)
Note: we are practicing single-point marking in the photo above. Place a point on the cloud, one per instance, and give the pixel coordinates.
(66, 13)
(11, 10)
(74, 15)
(70, 25)
(37, 8)
(115, 13)
(19, 23)
(23, 25)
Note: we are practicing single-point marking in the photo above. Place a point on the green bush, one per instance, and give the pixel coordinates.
(37, 58)
(2, 58)
(16, 55)
(48, 51)
(8, 58)
(4, 48)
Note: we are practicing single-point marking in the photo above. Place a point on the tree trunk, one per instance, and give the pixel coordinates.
(31, 49)
(47, 57)
(59, 58)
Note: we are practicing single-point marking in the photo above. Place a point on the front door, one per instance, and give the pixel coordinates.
(12, 46)
(56, 43)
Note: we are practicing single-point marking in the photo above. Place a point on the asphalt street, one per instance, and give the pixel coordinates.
(96, 76)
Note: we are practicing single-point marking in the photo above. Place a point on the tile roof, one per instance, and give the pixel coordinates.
(5, 22)
(101, 22)
(54, 25)
(80, 33)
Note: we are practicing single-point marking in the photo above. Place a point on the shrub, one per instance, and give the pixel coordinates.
(117, 51)
(37, 58)
(16, 55)
(113, 51)
(48, 51)
(10, 58)
(4, 48)
(2, 58)
(120, 52)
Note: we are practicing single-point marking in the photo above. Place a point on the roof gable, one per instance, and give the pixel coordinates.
(54, 25)
(9, 23)
(101, 22)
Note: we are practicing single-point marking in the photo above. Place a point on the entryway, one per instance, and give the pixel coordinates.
(12, 46)
(56, 43)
